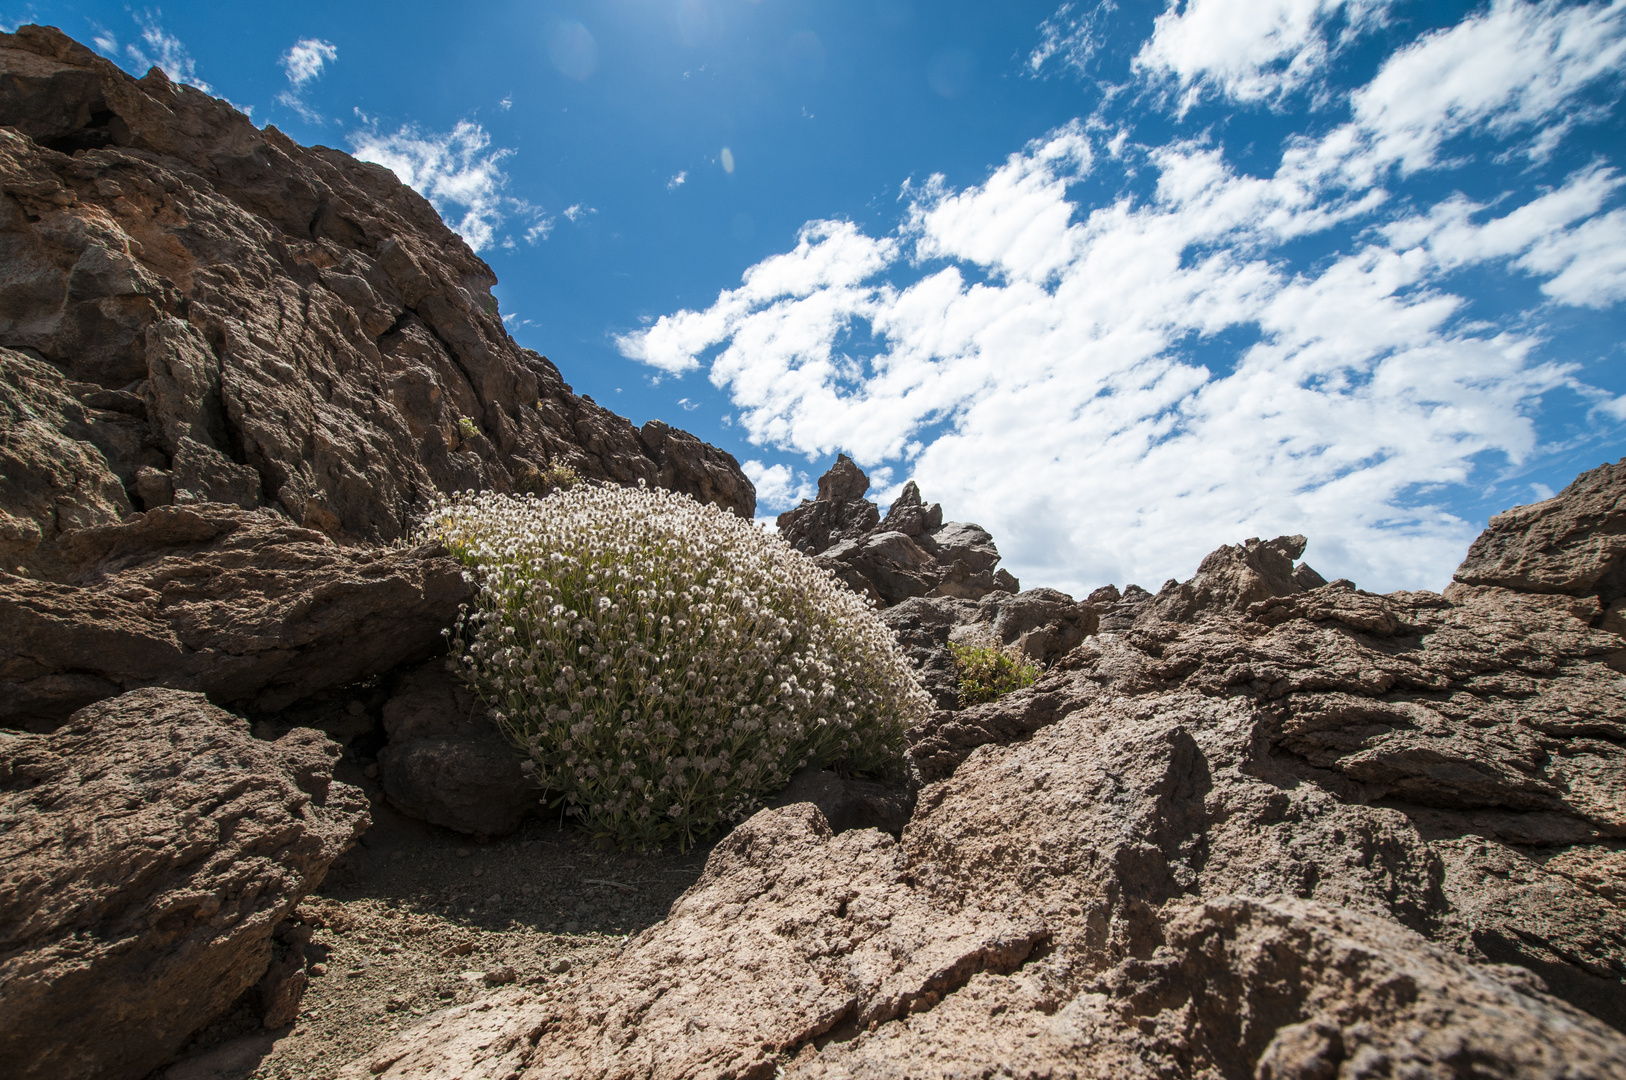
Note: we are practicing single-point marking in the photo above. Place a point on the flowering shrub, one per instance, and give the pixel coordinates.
(663, 664)
(987, 673)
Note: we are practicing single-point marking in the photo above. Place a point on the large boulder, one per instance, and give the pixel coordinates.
(236, 318)
(1331, 833)
(1232, 577)
(446, 762)
(1573, 543)
(148, 850)
(242, 605)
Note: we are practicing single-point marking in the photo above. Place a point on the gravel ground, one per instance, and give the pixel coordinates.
(418, 919)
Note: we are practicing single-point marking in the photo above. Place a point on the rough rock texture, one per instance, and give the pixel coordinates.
(1330, 834)
(242, 605)
(446, 762)
(910, 553)
(1042, 624)
(848, 803)
(1574, 543)
(1231, 578)
(209, 312)
(147, 851)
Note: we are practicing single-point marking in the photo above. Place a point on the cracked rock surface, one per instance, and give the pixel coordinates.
(196, 310)
(242, 605)
(1311, 832)
(148, 849)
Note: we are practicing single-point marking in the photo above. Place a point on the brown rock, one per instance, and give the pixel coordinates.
(1306, 838)
(241, 605)
(297, 329)
(147, 851)
(911, 553)
(446, 762)
(1231, 578)
(1573, 543)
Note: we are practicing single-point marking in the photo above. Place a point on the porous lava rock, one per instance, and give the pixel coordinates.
(446, 761)
(1328, 833)
(148, 849)
(909, 553)
(240, 604)
(204, 311)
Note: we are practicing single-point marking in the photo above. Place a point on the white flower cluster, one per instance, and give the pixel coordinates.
(664, 663)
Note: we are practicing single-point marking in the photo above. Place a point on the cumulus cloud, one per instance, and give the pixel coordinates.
(459, 173)
(1511, 68)
(677, 181)
(779, 487)
(1250, 50)
(303, 64)
(1113, 389)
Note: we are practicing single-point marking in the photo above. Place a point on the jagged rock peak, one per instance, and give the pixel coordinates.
(913, 552)
(203, 311)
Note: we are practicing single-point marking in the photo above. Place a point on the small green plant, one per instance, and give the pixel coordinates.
(468, 427)
(664, 664)
(987, 672)
(536, 481)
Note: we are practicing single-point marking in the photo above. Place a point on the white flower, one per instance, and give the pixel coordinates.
(718, 655)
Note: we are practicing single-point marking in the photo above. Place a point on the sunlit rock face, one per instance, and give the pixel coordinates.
(1264, 831)
(209, 312)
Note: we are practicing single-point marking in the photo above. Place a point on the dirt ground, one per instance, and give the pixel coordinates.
(418, 918)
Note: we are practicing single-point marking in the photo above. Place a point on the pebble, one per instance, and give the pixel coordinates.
(463, 853)
(501, 976)
(477, 871)
(317, 970)
(559, 966)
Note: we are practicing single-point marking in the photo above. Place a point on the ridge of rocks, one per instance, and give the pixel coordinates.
(911, 552)
(1314, 832)
(197, 310)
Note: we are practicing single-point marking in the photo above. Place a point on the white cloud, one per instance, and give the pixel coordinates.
(1249, 50)
(1070, 38)
(458, 172)
(1061, 394)
(161, 49)
(1513, 67)
(778, 486)
(305, 60)
(1588, 263)
(303, 64)
(677, 181)
(505, 104)
(576, 211)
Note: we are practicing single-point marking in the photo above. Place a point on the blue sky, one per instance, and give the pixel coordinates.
(1118, 281)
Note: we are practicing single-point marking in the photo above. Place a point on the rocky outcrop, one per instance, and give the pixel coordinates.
(194, 309)
(147, 851)
(446, 762)
(242, 605)
(909, 553)
(1573, 543)
(1330, 833)
(1041, 625)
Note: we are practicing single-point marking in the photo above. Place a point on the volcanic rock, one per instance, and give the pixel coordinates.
(235, 318)
(242, 605)
(147, 851)
(1330, 833)
(910, 553)
(446, 762)
(1231, 578)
